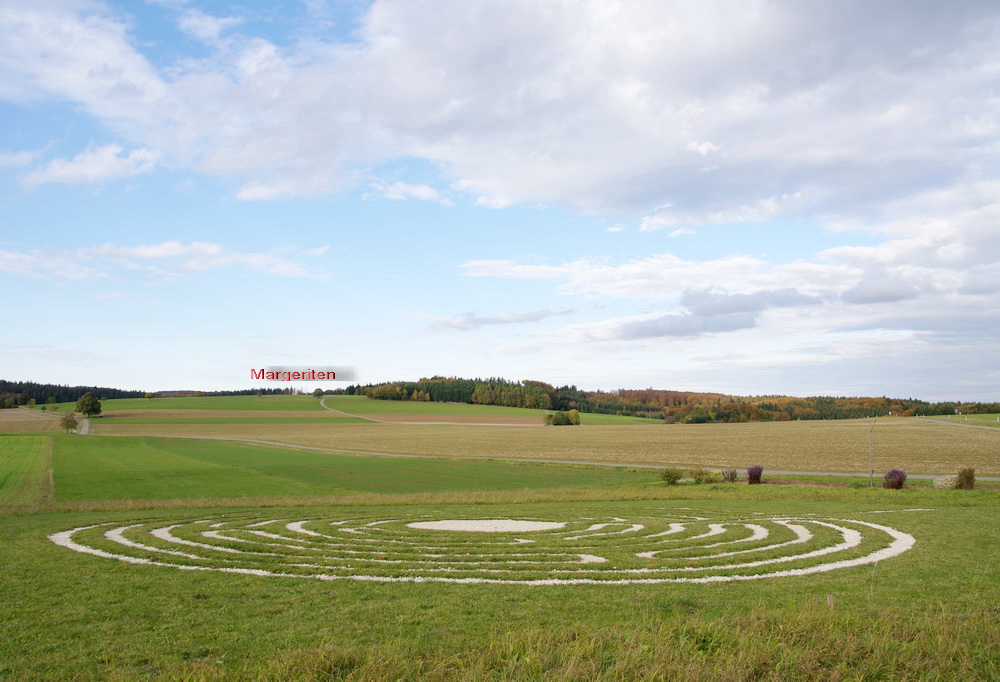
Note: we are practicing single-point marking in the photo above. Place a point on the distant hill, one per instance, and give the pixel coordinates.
(689, 407)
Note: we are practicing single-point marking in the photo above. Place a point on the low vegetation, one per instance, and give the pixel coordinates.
(929, 613)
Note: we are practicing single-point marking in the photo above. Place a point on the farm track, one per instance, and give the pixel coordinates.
(346, 414)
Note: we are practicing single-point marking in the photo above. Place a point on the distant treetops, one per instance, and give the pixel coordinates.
(683, 407)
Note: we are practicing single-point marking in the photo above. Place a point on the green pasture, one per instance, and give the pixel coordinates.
(95, 468)
(932, 612)
(235, 402)
(342, 403)
(970, 419)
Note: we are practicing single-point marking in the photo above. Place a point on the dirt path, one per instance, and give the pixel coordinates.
(322, 403)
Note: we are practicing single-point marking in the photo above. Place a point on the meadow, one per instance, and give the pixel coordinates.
(147, 556)
(918, 446)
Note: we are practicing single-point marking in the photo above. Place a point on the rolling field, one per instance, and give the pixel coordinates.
(145, 556)
(917, 446)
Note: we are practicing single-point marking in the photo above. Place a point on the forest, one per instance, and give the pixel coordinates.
(685, 407)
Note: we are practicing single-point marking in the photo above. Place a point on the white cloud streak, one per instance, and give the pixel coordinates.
(165, 261)
(473, 321)
(95, 165)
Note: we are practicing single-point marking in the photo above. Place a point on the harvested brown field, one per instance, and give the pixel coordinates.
(27, 420)
(914, 445)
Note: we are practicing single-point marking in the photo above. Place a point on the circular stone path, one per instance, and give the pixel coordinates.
(655, 546)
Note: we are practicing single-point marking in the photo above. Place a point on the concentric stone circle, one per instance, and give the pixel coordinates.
(666, 546)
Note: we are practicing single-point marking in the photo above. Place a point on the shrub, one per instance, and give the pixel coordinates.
(754, 474)
(966, 478)
(703, 476)
(894, 479)
(946, 483)
(730, 475)
(671, 475)
(856, 484)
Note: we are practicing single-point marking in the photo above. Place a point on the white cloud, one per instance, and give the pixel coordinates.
(206, 27)
(723, 108)
(95, 165)
(472, 321)
(17, 159)
(400, 191)
(167, 260)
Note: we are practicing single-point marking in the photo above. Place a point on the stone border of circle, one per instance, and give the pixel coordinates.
(901, 542)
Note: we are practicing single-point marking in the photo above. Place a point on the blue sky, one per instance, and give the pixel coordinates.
(747, 197)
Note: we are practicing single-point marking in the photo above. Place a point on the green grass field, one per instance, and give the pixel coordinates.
(264, 562)
(24, 464)
(88, 469)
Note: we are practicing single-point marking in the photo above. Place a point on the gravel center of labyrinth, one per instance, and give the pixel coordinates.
(665, 546)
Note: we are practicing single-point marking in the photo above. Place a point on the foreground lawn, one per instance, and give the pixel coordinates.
(931, 612)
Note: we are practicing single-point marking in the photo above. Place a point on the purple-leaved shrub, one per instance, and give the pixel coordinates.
(894, 479)
(754, 473)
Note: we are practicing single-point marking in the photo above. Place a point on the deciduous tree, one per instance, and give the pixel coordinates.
(88, 405)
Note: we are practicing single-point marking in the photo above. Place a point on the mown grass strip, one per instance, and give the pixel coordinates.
(23, 469)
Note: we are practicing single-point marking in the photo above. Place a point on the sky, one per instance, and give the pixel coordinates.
(744, 196)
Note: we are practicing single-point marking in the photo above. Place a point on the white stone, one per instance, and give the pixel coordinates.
(487, 525)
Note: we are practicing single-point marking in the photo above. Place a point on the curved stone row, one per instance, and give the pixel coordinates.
(652, 548)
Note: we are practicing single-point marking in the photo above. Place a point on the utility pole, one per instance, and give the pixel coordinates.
(871, 456)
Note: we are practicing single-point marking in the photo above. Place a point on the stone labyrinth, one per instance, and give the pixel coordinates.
(669, 546)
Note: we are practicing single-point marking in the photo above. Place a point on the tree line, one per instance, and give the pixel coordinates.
(686, 407)
(14, 393)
